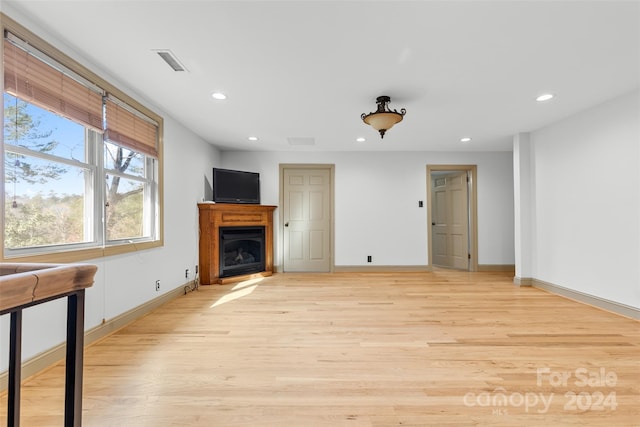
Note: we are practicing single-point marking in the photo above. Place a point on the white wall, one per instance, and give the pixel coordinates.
(131, 278)
(587, 196)
(376, 201)
(523, 208)
(126, 281)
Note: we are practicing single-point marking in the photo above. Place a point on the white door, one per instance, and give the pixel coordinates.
(450, 220)
(307, 220)
(439, 223)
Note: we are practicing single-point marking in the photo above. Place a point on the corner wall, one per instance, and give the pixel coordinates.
(587, 202)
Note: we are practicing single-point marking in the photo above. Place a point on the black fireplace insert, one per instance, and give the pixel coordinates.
(242, 250)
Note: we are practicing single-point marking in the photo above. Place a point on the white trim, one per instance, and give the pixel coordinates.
(522, 281)
(601, 303)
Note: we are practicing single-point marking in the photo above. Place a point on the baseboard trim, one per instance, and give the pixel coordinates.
(497, 268)
(381, 268)
(50, 357)
(522, 281)
(601, 303)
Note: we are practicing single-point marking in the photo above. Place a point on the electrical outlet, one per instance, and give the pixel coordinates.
(368, 258)
(157, 285)
(186, 273)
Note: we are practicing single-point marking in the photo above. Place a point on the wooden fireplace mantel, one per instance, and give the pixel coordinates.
(216, 215)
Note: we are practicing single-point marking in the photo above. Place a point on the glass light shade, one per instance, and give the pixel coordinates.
(383, 118)
(385, 121)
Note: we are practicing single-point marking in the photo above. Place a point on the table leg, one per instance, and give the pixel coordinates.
(74, 362)
(15, 368)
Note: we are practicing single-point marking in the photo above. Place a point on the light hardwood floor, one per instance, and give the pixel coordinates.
(353, 349)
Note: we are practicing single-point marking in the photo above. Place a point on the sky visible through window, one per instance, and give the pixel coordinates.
(49, 127)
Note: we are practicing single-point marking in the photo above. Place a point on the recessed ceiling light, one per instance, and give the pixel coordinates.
(361, 139)
(544, 97)
(465, 139)
(253, 138)
(218, 95)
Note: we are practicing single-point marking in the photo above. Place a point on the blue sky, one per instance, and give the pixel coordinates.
(71, 145)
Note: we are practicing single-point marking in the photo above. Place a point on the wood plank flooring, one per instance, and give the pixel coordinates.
(353, 349)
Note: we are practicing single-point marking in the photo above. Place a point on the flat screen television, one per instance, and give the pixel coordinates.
(232, 186)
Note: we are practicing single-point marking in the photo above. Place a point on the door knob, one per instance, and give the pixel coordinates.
(286, 224)
(433, 223)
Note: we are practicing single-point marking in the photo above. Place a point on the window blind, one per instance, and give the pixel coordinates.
(31, 79)
(127, 127)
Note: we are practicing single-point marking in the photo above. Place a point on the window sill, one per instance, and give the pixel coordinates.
(85, 254)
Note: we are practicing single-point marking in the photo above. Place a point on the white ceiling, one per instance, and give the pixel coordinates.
(309, 69)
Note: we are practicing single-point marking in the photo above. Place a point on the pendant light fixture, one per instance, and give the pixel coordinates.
(383, 118)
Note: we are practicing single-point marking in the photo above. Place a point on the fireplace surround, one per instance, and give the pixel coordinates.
(237, 221)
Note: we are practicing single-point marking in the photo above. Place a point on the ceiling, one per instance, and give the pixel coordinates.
(306, 70)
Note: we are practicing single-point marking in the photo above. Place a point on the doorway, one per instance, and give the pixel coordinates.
(306, 217)
(452, 216)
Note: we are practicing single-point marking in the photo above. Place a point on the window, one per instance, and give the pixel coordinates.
(130, 148)
(48, 180)
(81, 160)
(129, 193)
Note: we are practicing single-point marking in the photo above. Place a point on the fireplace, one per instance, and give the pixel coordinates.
(242, 250)
(242, 220)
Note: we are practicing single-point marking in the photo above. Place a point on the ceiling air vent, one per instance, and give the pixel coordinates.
(171, 59)
(301, 140)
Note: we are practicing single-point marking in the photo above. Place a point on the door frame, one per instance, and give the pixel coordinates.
(472, 214)
(327, 166)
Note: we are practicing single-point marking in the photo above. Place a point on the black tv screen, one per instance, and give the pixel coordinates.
(232, 186)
